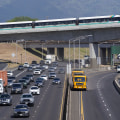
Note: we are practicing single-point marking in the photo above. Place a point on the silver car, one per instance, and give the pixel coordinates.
(52, 75)
(5, 99)
(27, 98)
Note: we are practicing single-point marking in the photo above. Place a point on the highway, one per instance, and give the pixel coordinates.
(47, 104)
(101, 101)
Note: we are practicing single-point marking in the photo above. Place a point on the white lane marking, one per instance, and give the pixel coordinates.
(20, 73)
(101, 96)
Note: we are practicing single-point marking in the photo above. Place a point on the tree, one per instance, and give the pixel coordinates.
(22, 18)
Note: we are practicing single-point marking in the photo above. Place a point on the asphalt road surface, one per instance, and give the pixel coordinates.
(47, 104)
(101, 101)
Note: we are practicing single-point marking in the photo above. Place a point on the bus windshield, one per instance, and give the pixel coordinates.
(79, 79)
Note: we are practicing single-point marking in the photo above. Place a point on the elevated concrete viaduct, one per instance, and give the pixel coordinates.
(100, 33)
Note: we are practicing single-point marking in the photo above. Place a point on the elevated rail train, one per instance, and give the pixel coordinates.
(56, 22)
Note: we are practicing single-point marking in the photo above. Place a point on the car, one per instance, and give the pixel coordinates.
(37, 65)
(12, 78)
(31, 77)
(21, 110)
(9, 73)
(54, 67)
(27, 98)
(118, 56)
(42, 62)
(5, 99)
(29, 69)
(10, 82)
(33, 66)
(16, 88)
(34, 62)
(39, 82)
(55, 63)
(52, 75)
(34, 90)
(56, 81)
(23, 82)
(44, 77)
(27, 79)
(118, 68)
(37, 72)
(20, 67)
(1, 88)
(51, 69)
(26, 65)
(61, 71)
(45, 66)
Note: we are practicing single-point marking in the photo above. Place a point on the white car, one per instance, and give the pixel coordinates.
(26, 65)
(37, 72)
(45, 77)
(34, 90)
(45, 66)
(9, 73)
(1, 88)
(118, 68)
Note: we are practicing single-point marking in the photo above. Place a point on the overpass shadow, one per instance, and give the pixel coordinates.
(35, 53)
(44, 51)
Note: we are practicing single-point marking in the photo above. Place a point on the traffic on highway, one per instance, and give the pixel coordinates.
(32, 92)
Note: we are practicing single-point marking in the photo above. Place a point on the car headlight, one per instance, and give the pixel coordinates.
(26, 111)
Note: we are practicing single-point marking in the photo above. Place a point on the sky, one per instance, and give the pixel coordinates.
(54, 9)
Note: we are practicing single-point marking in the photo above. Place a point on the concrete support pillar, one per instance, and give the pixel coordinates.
(60, 54)
(93, 47)
(109, 55)
(103, 56)
(51, 51)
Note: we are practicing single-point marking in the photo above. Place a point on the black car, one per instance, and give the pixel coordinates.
(16, 88)
(31, 77)
(20, 67)
(21, 110)
(27, 79)
(34, 62)
(56, 81)
(12, 78)
(23, 82)
(29, 69)
(5, 99)
(39, 82)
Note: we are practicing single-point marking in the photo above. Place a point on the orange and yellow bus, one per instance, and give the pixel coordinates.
(79, 79)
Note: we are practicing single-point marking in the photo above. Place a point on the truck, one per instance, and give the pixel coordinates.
(50, 58)
(3, 80)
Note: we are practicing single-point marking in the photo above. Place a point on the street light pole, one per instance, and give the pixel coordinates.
(79, 53)
(42, 51)
(16, 51)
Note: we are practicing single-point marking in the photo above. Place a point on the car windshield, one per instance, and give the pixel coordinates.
(11, 77)
(9, 80)
(5, 96)
(16, 85)
(20, 66)
(56, 79)
(52, 73)
(26, 96)
(29, 75)
(43, 75)
(118, 66)
(25, 78)
(9, 71)
(21, 107)
(34, 88)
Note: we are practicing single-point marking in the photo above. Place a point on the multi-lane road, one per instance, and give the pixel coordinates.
(101, 101)
(47, 104)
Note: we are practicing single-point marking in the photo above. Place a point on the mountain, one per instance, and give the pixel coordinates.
(52, 9)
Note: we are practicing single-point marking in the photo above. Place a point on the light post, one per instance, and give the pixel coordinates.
(42, 51)
(21, 40)
(21, 58)
(25, 53)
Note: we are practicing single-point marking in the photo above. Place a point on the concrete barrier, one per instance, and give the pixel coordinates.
(64, 100)
(116, 82)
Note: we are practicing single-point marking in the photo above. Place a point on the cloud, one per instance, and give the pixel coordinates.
(4, 2)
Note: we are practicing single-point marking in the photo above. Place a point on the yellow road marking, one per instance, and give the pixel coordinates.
(61, 110)
(82, 111)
